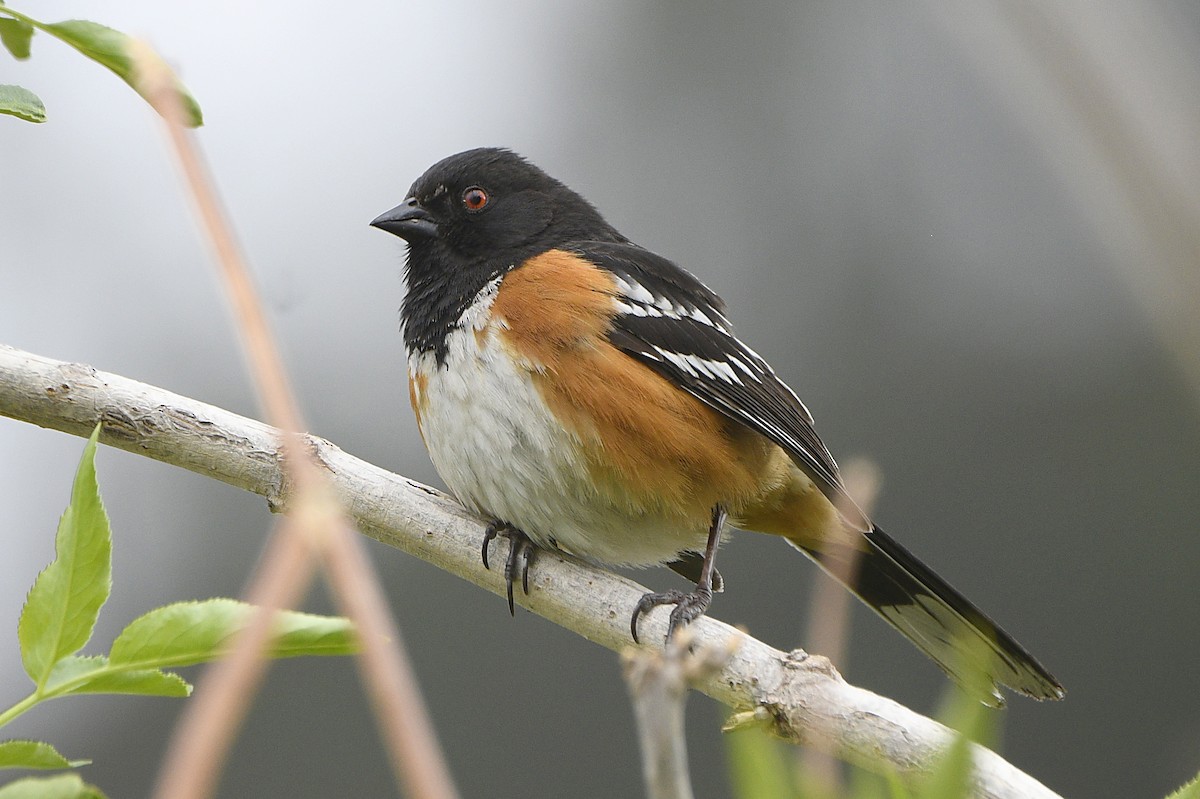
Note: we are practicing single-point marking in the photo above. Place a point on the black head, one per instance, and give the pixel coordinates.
(485, 202)
(472, 217)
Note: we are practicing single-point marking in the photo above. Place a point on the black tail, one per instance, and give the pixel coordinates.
(939, 620)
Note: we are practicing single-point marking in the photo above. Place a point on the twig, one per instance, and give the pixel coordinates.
(803, 695)
(206, 729)
(829, 619)
(658, 682)
(206, 732)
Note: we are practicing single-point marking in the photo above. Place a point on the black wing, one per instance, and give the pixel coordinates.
(676, 325)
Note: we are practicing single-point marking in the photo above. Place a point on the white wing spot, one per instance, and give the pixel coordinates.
(629, 310)
(741, 365)
(642, 302)
(696, 366)
(678, 360)
(725, 372)
(635, 291)
(701, 365)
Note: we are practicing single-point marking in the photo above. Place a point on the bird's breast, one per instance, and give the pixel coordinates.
(505, 454)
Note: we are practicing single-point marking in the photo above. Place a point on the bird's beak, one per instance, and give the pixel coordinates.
(408, 221)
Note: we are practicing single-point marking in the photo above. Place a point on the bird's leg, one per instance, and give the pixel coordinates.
(520, 553)
(688, 606)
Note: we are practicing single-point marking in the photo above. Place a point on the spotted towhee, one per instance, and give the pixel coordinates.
(589, 396)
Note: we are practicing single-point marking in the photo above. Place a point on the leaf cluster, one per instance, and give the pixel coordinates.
(60, 615)
(100, 43)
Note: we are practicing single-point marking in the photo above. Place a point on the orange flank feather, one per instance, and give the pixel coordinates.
(418, 397)
(647, 443)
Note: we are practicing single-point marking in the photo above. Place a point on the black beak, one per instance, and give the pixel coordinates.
(408, 221)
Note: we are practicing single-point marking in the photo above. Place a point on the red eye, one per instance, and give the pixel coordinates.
(474, 199)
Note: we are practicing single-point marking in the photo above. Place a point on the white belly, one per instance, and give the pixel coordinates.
(502, 453)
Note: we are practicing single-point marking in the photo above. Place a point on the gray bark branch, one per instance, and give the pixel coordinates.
(802, 695)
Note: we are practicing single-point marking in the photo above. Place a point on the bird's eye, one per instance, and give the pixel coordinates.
(474, 199)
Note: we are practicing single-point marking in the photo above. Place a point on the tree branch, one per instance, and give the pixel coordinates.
(802, 695)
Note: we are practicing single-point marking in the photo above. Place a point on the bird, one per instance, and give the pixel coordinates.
(588, 396)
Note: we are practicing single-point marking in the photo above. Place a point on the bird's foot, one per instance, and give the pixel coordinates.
(520, 553)
(689, 606)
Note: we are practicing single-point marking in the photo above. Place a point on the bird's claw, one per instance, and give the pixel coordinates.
(520, 553)
(689, 606)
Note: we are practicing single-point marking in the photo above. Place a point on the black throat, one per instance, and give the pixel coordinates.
(442, 284)
(440, 289)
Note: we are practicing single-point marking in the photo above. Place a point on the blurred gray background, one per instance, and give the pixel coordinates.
(946, 226)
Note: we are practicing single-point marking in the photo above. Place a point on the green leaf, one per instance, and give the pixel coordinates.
(757, 768)
(974, 721)
(15, 35)
(65, 600)
(109, 48)
(142, 682)
(95, 675)
(298, 634)
(867, 785)
(34, 754)
(63, 786)
(951, 776)
(186, 633)
(1189, 791)
(73, 669)
(896, 788)
(18, 101)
